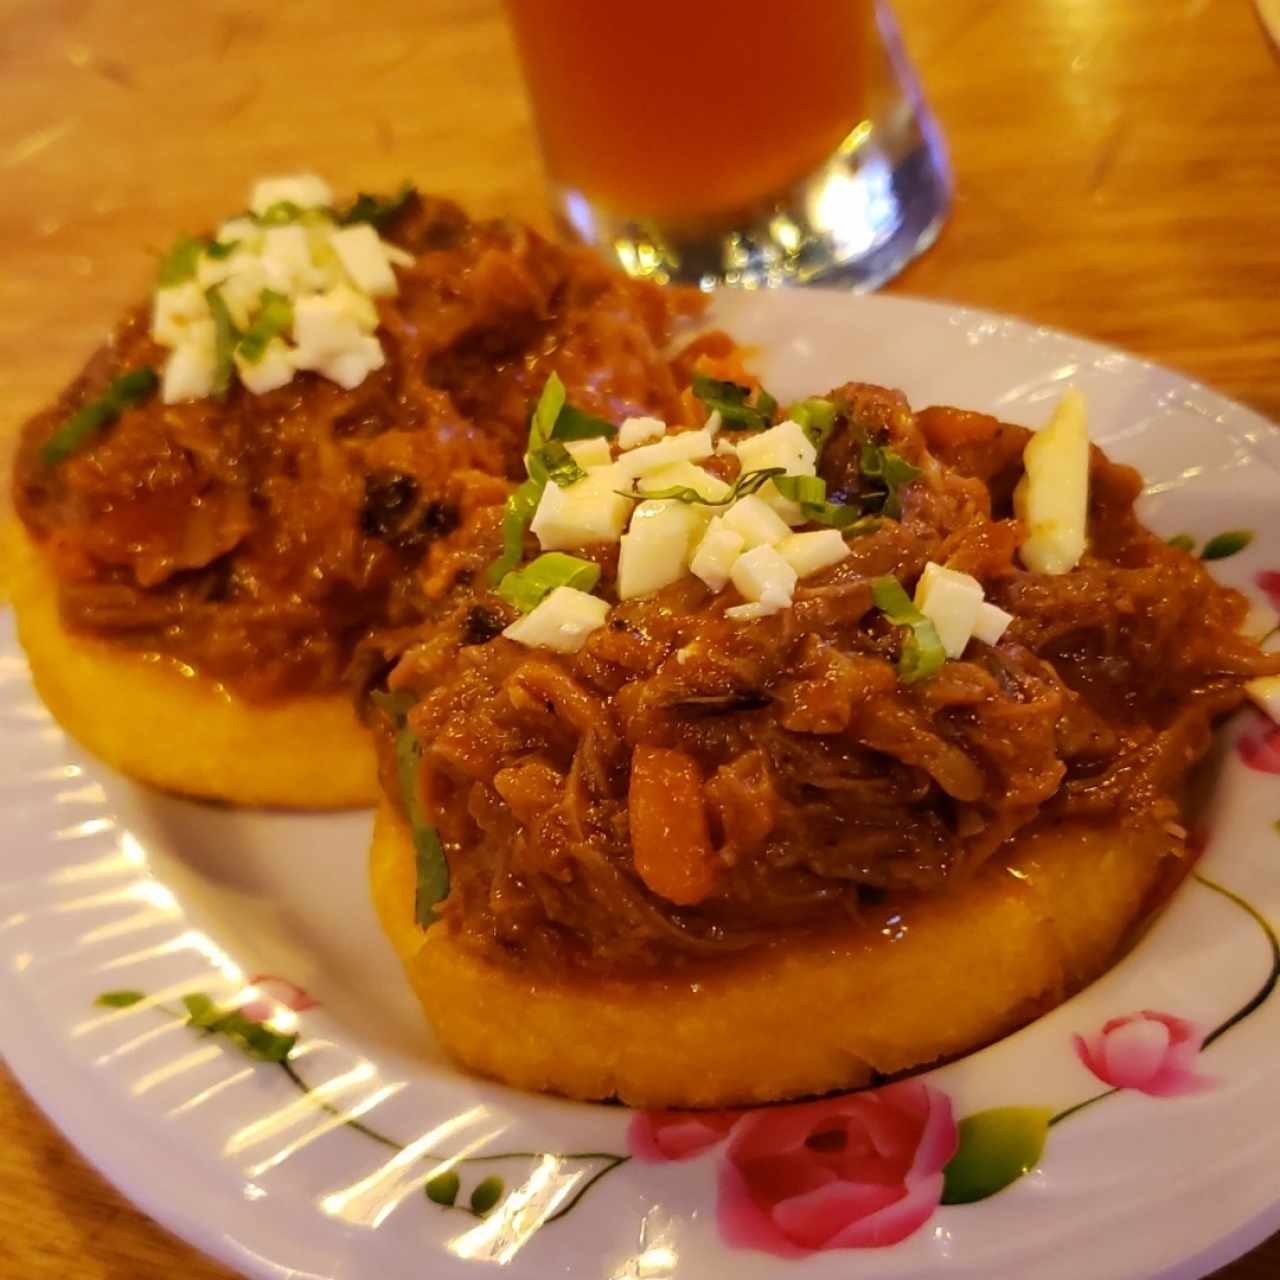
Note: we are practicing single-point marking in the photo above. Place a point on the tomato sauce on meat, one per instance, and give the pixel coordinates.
(688, 786)
(260, 538)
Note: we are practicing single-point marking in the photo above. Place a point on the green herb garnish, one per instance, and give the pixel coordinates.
(1226, 544)
(433, 866)
(225, 337)
(893, 471)
(810, 492)
(179, 264)
(119, 999)
(1183, 541)
(922, 653)
(279, 214)
(125, 391)
(274, 317)
(574, 424)
(220, 249)
(554, 462)
(816, 418)
(730, 399)
(378, 210)
(527, 588)
(745, 485)
(254, 1038)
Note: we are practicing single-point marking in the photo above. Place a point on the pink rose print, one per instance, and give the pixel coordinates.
(678, 1135)
(855, 1172)
(1269, 581)
(1152, 1052)
(274, 992)
(1259, 746)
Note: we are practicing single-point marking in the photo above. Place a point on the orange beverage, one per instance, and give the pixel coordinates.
(685, 110)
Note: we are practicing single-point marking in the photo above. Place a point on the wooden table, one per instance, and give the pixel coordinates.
(1118, 170)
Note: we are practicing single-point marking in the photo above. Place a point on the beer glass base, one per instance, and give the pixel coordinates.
(856, 222)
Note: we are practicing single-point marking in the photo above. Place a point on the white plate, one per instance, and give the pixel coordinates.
(109, 887)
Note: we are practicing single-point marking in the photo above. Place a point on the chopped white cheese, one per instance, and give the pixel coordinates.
(756, 521)
(638, 431)
(175, 309)
(655, 549)
(330, 339)
(273, 370)
(786, 446)
(687, 475)
(240, 279)
(189, 371)
(991, 623)
(364, 259)
(684, 446)
(306, 190)
(809, 553)
(1052, 498)
(562, 622)
(750, 612)
(726, 449)
(714, 558)
(590, 453)
(287, 264)
(242, 231)
(951, 601)
(764, 577)
(585, 513)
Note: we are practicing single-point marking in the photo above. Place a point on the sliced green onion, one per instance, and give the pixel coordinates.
(545, 413)
(554, 462)
(1183, 541)
(220, 249)
(224, 342)
(378, 210)
(125, 390)
(893, 471)
(745, 485)
(1226, 544)
(432, 865)
(486, 1195)
(119, 999)
(274, 317)
(817, 419)
(811, 494)
(443, 1188)
(528, 587)
(179, 264)
(729, 399)
(922, 653)
(516, 516)
(279, 214)
(574, 424)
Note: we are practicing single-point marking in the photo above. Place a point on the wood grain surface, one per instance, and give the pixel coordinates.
(1118, 174)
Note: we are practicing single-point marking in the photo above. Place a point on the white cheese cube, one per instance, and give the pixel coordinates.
(189, 370)
(951, 601)
(688, 475)
(350, 368)
(638, 431)
(764, 577)
(786, 446)
(286, 261)
(749, 612)
(715, 555)
(330, 340)
(584, 514)
(175, 309)
(991, 623)
(590, 453)
(809, 553)
(364, 259)
(684, 446)
(273, 370)
(562, 622)
(756, 521)
(397, 256)
(726, 449)
(655, 549)
(306, 190)
(240, 279)
(242, 231)
(1265, 693)
(1052, 498)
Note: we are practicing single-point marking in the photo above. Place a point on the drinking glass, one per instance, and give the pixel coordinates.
(743, 142)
